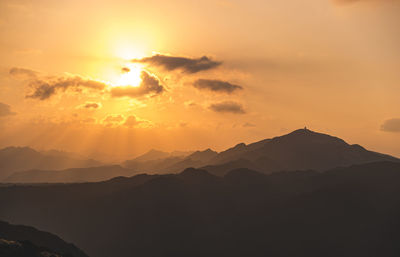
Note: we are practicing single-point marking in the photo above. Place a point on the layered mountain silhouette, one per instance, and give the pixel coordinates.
(25, 241)
(349, 211)
(298, 150)
(301, 149)
(14, 159)
(155, 160)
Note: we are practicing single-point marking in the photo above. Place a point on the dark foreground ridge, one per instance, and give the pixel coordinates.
(24, 241)
(347, 212)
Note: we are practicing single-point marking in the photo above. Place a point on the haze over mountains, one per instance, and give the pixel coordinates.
(14, 159)
(302, 149)
(91, 174)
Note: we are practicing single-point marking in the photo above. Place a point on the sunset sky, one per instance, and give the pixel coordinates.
(114, 79)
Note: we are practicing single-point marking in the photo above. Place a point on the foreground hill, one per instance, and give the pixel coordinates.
(347, 212)
(92, 174)
(13, 159)
(24, 241)
(23, 249)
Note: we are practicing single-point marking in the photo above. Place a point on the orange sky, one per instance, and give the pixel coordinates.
(117, 78)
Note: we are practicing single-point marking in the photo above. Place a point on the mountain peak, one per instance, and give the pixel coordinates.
(304, 131)
(203, 155)
(308, 136)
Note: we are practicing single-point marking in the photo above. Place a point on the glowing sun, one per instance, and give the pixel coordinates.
(131, 76)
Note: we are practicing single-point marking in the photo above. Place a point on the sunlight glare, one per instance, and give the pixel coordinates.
(131, 77)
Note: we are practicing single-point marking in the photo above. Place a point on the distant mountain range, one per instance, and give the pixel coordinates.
(302, 149)
(15, 159)
(92, 174)
(24, 241)
(350, 211)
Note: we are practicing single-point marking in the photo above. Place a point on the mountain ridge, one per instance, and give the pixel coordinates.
(301, 149)
(195, 213)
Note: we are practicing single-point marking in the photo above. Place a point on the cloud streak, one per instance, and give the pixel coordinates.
(150, 85)
(227, 107)
(214, 85)
(189, 65)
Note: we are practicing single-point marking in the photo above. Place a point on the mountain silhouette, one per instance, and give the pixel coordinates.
(299, 150)
(152, 155)
(14, 159)
(196, 159)
(347, 211)
(24, 241)
(155, 161)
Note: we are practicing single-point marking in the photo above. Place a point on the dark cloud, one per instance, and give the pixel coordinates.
(391, 125)
(227, 107)
(44, 89)
(125, 69)
(5, 110)
(90, 105)
(23, 73)
(149, 85)
(216, 85)
(189, 65)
